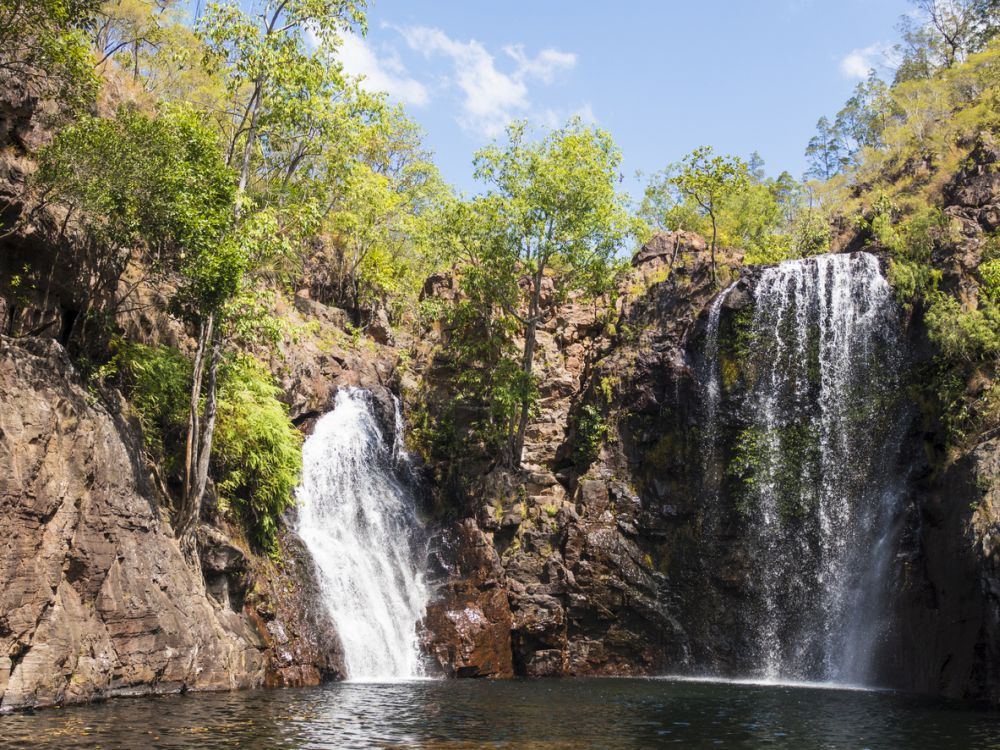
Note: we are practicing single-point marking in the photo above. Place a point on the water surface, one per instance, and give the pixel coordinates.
(542, 714)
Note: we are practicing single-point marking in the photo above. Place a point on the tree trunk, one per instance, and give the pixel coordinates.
(198, 448)
(248, 146)
(673, 255)
(527, 364)
(715, 279)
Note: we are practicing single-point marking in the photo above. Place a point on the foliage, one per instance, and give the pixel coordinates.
(786, 457)
(942, 34)
(158, 379)
(709, 180)
(257, 450)
(914, 138)
(551, 214)
(825, 151)
(145, 188)
(971, 335)
(591, 431)
(385, 208)
(44, 46)
(766, 217)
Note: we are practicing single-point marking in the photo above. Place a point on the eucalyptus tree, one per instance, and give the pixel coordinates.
(709, 180)
(282, 87)
(558, 217)
(826, 151)
(381, 207)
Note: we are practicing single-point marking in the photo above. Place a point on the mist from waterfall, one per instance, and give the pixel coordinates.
(814, 430)
(357, 517)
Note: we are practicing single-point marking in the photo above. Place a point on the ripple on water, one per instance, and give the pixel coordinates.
(523, 714)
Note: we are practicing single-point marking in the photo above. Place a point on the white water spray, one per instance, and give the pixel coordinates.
(815, 424)
(357, 518)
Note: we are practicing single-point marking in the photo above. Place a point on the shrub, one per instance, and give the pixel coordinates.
(257, 450)
(591, 430)
(967, 335)
(158, 384)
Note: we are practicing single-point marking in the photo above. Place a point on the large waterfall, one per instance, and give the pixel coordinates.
(356, 515)
(812, 416)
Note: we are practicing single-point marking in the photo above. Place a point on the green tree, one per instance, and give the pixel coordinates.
(282, 97)
(156, 191)
(144, 190)
(124, 29)
(382, 205)
(826, 152)
(708, 180)
(664, 208)
(864, 118)
(557, 217)
(281, 88)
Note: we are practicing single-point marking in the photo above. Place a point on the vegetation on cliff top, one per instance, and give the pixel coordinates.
(229, 160)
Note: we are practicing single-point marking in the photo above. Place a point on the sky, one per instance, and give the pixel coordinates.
(664, 77)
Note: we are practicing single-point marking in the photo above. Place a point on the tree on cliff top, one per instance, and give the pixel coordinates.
(558, 216)
(943, 33)
(709, 180)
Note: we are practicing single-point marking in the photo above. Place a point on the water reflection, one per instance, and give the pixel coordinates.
(542, 714)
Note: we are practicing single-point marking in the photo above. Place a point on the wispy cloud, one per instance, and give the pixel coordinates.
(859, 62)
(381, 73)
(543, 66)
(491, 97)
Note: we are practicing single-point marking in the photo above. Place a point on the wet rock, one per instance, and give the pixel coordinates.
(286, 605)
(468, 623)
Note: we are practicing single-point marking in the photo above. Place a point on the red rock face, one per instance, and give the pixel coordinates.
(550, 570)
(467, 627)
(96, 599)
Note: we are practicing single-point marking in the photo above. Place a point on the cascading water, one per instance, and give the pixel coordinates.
(356, 516)
(813, 426)
(712, 385)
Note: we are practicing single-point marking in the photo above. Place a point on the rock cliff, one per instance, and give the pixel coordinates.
(96, 598)
(569, 550)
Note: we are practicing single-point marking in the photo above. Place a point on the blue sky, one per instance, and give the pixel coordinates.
(662, 77)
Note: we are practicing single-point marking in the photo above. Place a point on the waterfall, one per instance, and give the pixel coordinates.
(813, 431)
(356, 516)
(712, 383)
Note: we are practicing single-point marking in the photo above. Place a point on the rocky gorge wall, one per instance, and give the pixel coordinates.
(619, 566)
(583, 563)
(571, 558)
(96, 597)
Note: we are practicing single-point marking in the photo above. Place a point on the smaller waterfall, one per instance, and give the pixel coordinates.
(710, 376)
(357, 518)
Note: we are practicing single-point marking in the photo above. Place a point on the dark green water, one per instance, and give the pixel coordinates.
(598, 713)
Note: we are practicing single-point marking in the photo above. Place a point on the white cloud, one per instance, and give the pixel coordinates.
(385, 73)
(544, 66)
(491, 97)
(857, 63)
